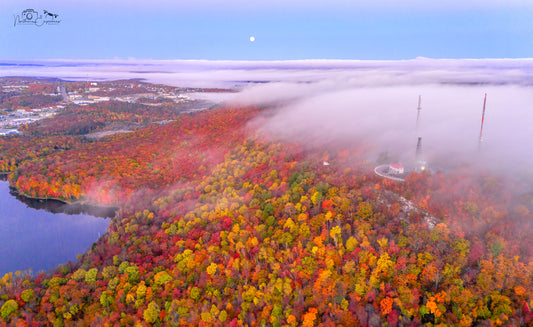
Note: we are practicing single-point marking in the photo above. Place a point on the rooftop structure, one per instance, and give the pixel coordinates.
(396, 169)
(398, 172)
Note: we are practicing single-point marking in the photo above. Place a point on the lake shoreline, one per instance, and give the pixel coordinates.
(67, 207)
(40, 235)
(75, 206)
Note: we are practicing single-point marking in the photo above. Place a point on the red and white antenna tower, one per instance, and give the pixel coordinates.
(482, 121)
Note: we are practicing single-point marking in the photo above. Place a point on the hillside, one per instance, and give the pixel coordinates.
(219, 225)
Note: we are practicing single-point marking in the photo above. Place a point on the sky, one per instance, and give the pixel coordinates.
(283, 30)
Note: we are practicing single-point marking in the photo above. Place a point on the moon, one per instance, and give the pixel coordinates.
(252, 38)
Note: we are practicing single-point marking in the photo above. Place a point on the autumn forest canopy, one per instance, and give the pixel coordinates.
(221, 225)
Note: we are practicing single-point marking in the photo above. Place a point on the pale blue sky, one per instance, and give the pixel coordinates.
(336, 29)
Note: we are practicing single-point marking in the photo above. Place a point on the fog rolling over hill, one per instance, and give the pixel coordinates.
(378, 106)
(385, 118)
(359, 101)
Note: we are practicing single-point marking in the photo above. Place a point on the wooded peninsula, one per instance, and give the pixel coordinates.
(220, 224)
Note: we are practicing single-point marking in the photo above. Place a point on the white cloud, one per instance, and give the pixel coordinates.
(385, 118)
(330, 73)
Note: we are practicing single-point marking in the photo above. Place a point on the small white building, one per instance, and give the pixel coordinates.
(396, 169)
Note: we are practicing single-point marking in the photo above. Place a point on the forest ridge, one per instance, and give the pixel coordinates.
(219, 225)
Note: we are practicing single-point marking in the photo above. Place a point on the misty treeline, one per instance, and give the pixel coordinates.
(221, 226)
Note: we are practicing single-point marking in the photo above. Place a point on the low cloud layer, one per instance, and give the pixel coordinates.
(361, 101)
(385, 117)
(351, 73)
(378, 107)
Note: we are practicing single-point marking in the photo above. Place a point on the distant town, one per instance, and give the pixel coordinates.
(26, 100)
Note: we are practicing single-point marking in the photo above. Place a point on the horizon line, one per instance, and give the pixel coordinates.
(420, 58)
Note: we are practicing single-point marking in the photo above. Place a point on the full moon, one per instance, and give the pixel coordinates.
(252, 38)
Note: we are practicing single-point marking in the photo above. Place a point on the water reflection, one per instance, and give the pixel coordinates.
(41, 234)
(55, 206)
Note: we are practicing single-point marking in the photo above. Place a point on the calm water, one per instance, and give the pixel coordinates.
(40, 235)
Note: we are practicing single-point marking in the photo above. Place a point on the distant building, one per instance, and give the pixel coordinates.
(101, 99)
(5, 132)
(396, 169)
(22, 112)
(82, 102)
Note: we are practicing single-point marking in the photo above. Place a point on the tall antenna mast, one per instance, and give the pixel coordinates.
(482, 121)
(419, 148)
(418, 110)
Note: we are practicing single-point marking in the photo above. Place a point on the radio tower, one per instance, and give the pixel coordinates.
(419, 149)
(418, 111)
(420, 163)
(482, 120)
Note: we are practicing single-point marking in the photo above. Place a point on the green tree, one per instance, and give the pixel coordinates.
(151, 313)
(8, 308)
(195, 293)
(90, 276)
(364, 210)
(27, 295)
(133, 274)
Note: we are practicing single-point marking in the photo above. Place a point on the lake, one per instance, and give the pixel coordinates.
(40, 235)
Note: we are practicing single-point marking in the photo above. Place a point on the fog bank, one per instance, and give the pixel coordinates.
(372, 102)
(385, 119)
